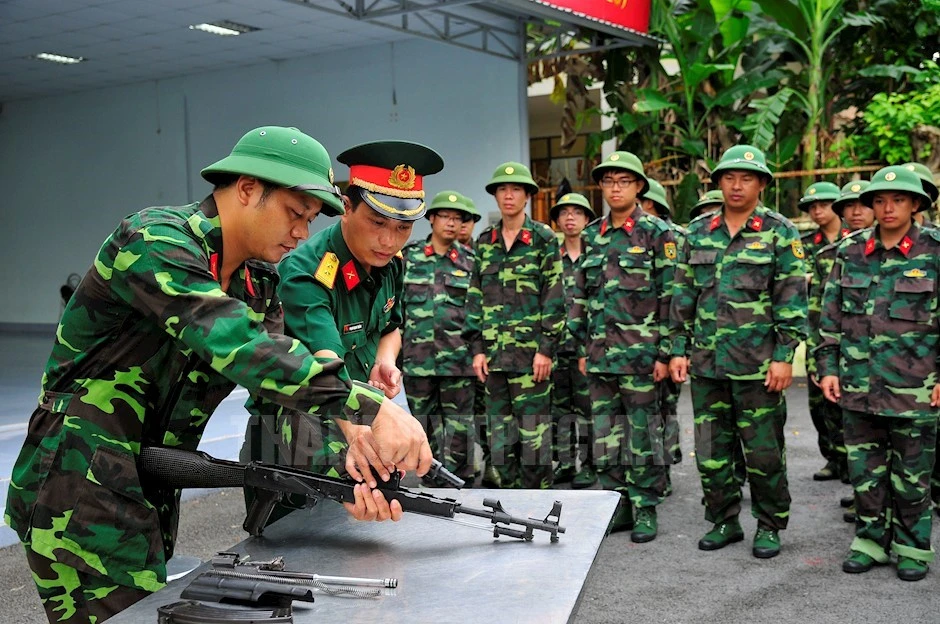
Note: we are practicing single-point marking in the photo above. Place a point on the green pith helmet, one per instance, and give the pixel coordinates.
(657, 194)
(895, 178)
(713, 197)
(572, 199)
(286, 157)
(820, 191)
(471, 207)
(849, 193)
(926, 178)
(512, 173)
(742, 158)
(448, 200)
(622, 161)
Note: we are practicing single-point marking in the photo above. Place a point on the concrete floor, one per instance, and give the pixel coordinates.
(668, 580)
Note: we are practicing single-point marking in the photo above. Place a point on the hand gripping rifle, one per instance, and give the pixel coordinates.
(179, 469)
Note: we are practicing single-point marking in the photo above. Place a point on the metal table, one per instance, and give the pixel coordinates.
(446, 572)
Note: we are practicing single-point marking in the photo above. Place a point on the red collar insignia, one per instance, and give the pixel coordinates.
(905, 246)
(756, 223)
(350, 275)
(526, 237)
(248, 285)
(870, 246)
(628, 225)
(716, 222)
(429, 250)
(494, 236)
(214, 266)
(846, 232)
(818, 238)
(453, 254)
(603, 227)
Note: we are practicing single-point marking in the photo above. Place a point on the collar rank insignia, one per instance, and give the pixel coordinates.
(870, 246)
(628, 225)
(916, 273)
(249, 285)
(669, 250)
(388, 305)
(452, 254)
(326, 272)
(604, 227)
(818, 238)
(429, 250)
(494, 236)
(214, 266)
(350, 275)
(905, 246)
(756, 223)
(716, 221)
(636, 249)
(526, 237)
(846, 232)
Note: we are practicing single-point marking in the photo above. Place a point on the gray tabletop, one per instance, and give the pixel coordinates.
(446, 571)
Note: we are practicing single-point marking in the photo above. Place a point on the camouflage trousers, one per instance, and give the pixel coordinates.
(479, 418)
(890, 462)
(935, 478)
(628, 437)
(827, 419)
(74, 597)
(571, 413)
(729, 414)
(444, 407)
(520, 425)
(668, 392)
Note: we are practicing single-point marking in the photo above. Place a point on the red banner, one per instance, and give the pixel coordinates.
(632, 14)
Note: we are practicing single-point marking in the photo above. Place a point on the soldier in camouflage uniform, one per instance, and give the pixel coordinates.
(739, 312)
(654, 202)
(620, 322)
(465, 232)
(571, 400)
(817, 201)
(435, 359)
(179, 307)
(515, 319)
(878, 360)
(707, 204)
(341, 295)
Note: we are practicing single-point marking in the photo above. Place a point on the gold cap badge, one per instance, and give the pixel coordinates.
(615, 156)
(890, 176)
(748, 155)
(510, 170)
(812, 191)
(331, 175)
(451, 198)
(403, 177)
(856, 188)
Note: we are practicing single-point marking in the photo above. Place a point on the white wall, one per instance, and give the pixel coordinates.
(72, 166)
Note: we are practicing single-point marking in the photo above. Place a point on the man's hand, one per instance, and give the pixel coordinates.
(480, 367)
(541, 367)
(582, 366)
(935, 396)
(660, 371)
(831, 390)
(371, 505)
(362, 453)
(779, 377)
(400, 440)
(679, 369)
(386, 377)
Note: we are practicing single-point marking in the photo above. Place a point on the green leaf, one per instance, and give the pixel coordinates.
(745, 85)
(787, 14)
(888, 71)
(761, 125)
(862, 19)
(650, 101)
(700, 71)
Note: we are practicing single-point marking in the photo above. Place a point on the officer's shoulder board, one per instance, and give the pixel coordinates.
(327, 269)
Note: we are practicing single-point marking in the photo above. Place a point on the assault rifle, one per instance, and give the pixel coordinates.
(179, 469)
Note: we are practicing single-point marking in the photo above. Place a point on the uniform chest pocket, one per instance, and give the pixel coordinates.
(702, 262)
(634, 272)
(416, 290)
(753, 271)
(593, 270)
(455, 288)
(855, 293)
(913, 300)
(524, 278)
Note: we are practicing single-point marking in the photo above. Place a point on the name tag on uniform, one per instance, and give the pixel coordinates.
(352, 327)
(636, 249)
(389, 304)
(756, 245)
(915, 273)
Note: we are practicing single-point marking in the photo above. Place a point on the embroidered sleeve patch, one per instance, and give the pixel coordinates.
(670, 250)
(797, 247)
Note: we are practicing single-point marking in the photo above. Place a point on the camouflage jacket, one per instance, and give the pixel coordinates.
(435, 311)
(622, 294)
(331, 302)
(739, 302)
(820, 267)
(568, 345)
(815, 240)
(516, 301)
(880, 327)
(147, 347)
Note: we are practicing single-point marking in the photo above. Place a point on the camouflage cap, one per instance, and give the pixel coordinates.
(713, 197)
(572, 199)
(286, 157)
(926, 178)
(471, 207)
(512, 173)
(742, 158)
(820, 191)
(850, 192)
(391, 174)
(621, 161)
(449, 200)
(895, 178)
(657, 194)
